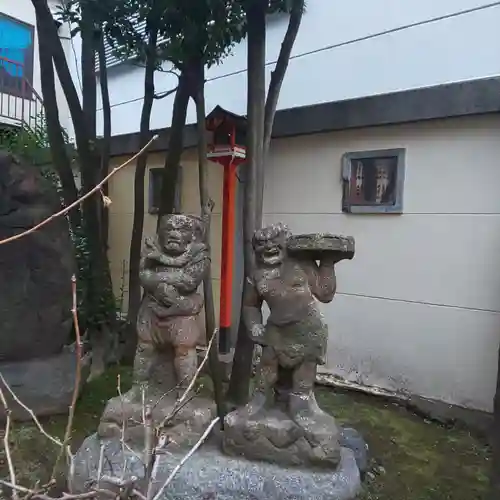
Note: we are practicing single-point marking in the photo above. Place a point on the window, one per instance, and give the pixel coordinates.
(16, 57)
(373, 181)
(155, 178)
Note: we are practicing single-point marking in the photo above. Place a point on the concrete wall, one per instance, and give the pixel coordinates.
(417, 310)
(121, 215)
(336, 57)
(23, 11)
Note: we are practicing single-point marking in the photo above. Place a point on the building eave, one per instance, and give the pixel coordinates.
(473, 97)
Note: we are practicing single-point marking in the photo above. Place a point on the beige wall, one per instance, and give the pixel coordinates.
(121, 214)
(418, 309)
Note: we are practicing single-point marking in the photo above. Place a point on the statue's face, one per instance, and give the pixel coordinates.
(270, 245)
(176, 234)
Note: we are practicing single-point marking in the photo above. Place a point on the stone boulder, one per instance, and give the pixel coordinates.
(210, 474)
(36, 270)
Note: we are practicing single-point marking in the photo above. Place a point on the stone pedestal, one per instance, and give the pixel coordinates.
(183, 427)
(271, 436)
(44, 385)
(211, 475)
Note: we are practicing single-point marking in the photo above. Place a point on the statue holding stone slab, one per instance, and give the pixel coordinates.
(283, 423)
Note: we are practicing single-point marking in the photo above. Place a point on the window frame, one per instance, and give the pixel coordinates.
(29, 67)
(178, 191)
(397, 206)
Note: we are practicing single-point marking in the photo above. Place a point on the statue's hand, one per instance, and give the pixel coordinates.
(168, 293)
(257, 333)
(330, 259)
(161, 310)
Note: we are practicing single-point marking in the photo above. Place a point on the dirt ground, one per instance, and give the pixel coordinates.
(412, 459)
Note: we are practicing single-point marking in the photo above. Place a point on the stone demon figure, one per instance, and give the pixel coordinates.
(295, 336)
(172, 268)
(283, 422)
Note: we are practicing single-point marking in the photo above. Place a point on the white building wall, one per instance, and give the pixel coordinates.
(418, 309)
(23, 10)
(331, 61)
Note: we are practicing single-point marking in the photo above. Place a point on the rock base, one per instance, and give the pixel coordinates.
(257, 432)
(211, 475)
(182, 428)
(44, 385)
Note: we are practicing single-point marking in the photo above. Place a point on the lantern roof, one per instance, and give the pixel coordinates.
(222, 117)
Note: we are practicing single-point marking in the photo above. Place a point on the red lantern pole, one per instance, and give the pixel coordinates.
(229, 155)
(227, 257)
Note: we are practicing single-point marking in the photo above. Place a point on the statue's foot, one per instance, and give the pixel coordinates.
(304, 410)
(320, 429)
(251, 410)
(134, 394)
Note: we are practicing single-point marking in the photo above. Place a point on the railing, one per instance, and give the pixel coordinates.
(20, 104)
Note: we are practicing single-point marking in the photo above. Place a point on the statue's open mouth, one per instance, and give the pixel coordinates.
(272, 252)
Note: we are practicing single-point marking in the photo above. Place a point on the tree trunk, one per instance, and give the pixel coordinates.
(494, 493)
(46, 23)
(134, 287)
(278, 75)
(98, 297)
(256, 16)
(59, 154)
(175, 146)
(206, 211)
(105, 142)
(88, 63)
(100, 300)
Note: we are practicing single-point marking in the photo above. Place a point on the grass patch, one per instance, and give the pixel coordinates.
(412, 459)
(34, 455)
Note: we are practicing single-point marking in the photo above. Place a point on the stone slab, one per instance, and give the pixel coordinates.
(44, 385)
(211, 475)
(317, 244)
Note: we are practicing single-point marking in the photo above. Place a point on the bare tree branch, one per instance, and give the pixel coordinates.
(81, 199)
(200, 368)
(183, 399)
(6, 437)
(31, 413)
(76, 388)
(162, 95)
(178, 467)
(153, 447)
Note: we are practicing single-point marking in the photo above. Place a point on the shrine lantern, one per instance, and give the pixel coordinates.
(227, 148)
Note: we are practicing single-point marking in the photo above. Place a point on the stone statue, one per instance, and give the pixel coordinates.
(172, 268)
(283, 421)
